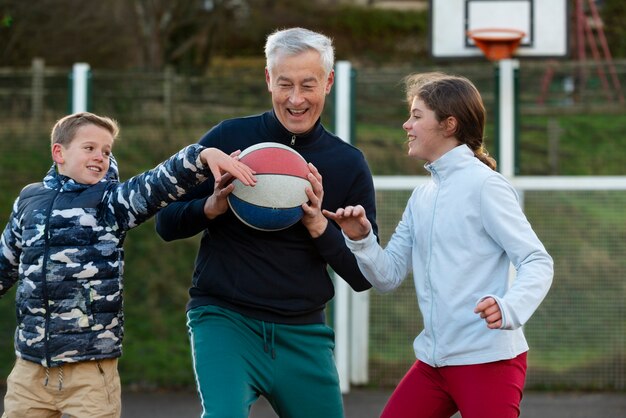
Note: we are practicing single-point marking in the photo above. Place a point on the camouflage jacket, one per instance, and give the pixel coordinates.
(63, 248)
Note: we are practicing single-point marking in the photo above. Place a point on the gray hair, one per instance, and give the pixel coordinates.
(295, 41)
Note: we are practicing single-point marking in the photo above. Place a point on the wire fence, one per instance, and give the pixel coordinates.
(578, 335)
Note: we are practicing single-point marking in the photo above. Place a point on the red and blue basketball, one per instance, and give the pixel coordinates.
(274, 203)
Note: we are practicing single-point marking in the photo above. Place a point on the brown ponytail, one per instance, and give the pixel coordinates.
(482, 154)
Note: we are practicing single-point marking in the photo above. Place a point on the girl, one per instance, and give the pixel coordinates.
(458, 234)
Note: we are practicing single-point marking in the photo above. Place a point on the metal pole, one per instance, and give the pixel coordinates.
(342, 290)
(506, 105)
(80, 89)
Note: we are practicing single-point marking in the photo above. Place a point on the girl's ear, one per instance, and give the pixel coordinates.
(57, 153)
(450, 125)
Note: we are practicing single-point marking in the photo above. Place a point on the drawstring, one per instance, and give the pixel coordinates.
(271, 345)
(265, 348)
(60, 376)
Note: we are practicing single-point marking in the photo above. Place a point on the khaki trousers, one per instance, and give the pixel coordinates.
(89, 389)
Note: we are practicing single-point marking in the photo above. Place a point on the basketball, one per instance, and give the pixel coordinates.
(274, 203)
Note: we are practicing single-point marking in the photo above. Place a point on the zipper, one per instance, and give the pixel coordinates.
(293, 140)
(430, 251)
(44, 282)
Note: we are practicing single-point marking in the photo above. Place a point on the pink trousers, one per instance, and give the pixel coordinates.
(490, 390)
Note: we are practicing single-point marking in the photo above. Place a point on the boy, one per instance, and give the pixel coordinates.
(63, 246)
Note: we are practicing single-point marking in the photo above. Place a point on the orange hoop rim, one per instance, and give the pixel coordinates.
(497, 43)
(500, 34)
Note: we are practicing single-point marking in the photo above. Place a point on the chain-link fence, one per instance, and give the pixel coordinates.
(578, 336)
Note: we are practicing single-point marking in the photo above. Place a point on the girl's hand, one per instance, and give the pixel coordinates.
(352, 220)
(489, 310)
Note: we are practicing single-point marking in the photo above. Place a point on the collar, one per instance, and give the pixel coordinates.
(54, 180)
(284, 136)
(453, 160)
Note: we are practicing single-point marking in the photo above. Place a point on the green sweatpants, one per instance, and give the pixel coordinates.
(236, 359)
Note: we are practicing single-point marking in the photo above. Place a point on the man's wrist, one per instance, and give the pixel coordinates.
(316, 230)
(209, 211)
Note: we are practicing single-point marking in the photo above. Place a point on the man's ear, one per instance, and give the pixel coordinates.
(330, 81)
(268, 80)
(57, 153)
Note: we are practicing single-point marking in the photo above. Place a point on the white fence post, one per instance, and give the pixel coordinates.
(351, 309)
(359, 337)
(507, 102)
(342, 290)
(80, 87)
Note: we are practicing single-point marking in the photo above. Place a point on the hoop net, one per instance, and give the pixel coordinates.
(497, 43)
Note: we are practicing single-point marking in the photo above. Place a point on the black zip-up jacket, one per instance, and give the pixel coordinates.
(279, 276)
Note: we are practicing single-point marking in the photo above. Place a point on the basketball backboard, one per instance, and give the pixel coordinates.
(544, 22)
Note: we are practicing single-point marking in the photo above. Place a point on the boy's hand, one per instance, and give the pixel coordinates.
(352, 220)
(219, 163)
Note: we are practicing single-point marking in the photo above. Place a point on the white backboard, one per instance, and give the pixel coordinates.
(545, 23)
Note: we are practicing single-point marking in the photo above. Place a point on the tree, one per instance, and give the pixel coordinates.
(145, 34)
(62, 32)
(187, 34)
(182, 31)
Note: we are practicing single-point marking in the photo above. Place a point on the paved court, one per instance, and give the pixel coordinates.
(364, 403)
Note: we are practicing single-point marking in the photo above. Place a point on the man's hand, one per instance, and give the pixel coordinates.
(217, 203)
(225, 169)
(313, 219)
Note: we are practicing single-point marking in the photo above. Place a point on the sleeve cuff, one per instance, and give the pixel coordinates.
(360, 244)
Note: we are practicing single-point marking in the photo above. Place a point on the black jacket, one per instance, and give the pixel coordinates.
(279, 276)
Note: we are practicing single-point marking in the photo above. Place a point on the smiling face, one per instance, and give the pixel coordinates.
(299, 85)
(428, 139)
(86, 158)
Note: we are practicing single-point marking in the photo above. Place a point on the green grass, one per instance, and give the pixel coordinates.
(584, 144)
(580, 327)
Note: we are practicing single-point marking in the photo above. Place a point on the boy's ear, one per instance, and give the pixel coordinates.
(57, 153)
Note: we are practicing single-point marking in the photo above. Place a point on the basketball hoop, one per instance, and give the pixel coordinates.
(497, 43)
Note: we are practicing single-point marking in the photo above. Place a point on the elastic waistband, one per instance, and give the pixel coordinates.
(290, 318)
